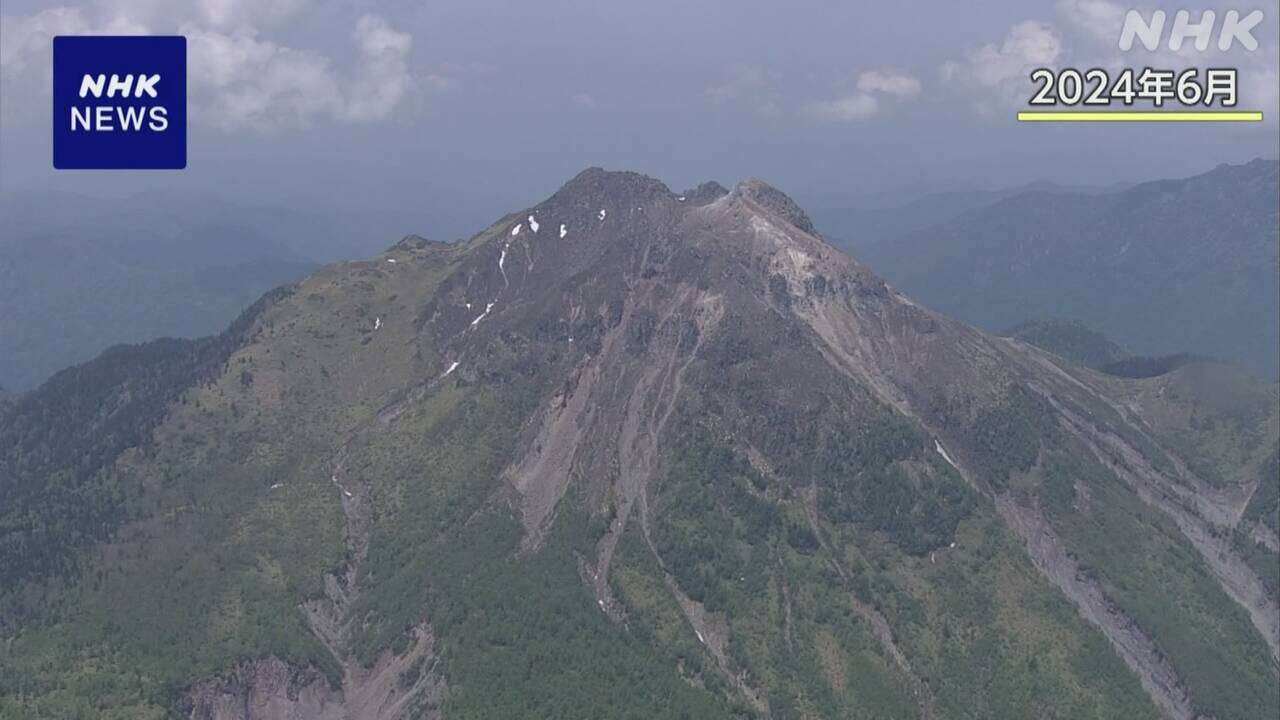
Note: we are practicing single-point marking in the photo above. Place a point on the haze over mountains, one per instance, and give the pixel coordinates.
(79, 274)
(1072, 340)
(633, 453)
(1163, 267)
(866, 221)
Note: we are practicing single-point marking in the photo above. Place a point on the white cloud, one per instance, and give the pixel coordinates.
(890, 82)
(23, 37)
(865, 103)
(25, 40)
(26, 43)
(584, 101)
(854, 108)
(237, 78)
(236, 13)
(1028, 45)
(246, 82)
(1100, 19)
(384, 79)
(211, 14)
(1000, 73)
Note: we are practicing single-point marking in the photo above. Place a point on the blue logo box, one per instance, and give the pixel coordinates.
(119, 103)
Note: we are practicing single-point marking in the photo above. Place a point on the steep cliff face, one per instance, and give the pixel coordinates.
(633, 453)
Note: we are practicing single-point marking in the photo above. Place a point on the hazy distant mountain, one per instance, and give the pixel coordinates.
(632, 454)
(881, 218)
(73, 283)
(1170, 266)
(1070, 339)
(78, 274)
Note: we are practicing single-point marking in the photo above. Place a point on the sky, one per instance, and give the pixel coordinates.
(464, 109)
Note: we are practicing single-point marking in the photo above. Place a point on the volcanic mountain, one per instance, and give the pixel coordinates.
(630, 453)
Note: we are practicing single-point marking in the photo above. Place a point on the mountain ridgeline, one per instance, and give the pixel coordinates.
(1072, 340)
(633, 454)
(1170, 266)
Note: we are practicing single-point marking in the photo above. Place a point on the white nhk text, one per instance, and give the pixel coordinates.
(109, 118)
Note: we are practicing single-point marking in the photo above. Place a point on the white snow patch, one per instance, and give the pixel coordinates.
(516, 230)
(482, 315)
(391, 260)
(681, 198)
(700, 638)
(602, 214)
(377, 323)
(563, 231)
(277, 485)
(533, 225)
(346, 492)
(452, 367)
(943, 452)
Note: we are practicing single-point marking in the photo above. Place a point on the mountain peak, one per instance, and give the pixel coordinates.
(776, 202)
(707, 192)
(598, 185)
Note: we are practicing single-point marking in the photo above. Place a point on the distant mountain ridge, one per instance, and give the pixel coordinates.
(79, 274)
(1168, 266)
(1070, 339)
(886, 218)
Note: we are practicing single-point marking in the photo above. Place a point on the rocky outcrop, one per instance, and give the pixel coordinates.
(395, 688)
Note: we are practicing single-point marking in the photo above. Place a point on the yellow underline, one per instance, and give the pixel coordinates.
(1142, 116)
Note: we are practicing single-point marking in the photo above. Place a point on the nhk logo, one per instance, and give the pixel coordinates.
(1234, 29)
(107, 118)
(119, 102)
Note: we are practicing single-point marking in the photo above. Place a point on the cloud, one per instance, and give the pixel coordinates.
(384, 79)
(865, 103)
(241, 81)
(235, 13)
(890, 82)
(25, 41)
(1100, 19)
(854, 108)
(210, 14)
(1028, 45)
(23, 37)
(999, 73)
(237, 77)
